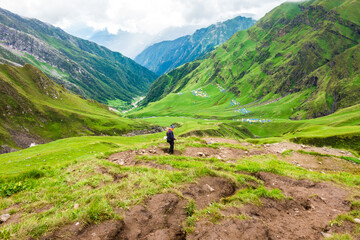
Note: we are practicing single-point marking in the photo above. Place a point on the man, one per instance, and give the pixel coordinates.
(171, 138)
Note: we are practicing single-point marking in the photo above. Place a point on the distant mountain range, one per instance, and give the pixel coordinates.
(82, 66)
(308, 52)
(167, 55)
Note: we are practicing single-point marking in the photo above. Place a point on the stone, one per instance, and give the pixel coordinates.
(200, 154)
(209, 188)
(356, 220)
(4, 217)
(210, 142)
(326, 235)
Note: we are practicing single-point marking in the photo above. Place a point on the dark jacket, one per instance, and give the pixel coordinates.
(170, 135)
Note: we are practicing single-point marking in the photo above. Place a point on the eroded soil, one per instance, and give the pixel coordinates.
(304, 216)
(160, 217)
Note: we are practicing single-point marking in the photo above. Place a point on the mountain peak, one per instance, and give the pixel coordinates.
(164, 56)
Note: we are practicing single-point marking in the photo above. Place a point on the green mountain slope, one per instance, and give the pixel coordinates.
(164, 56)
(82, 66)
(300, 61)
(34, 109)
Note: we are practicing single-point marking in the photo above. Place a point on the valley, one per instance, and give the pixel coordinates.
(267, 129)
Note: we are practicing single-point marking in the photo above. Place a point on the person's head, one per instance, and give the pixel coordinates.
(172, 126)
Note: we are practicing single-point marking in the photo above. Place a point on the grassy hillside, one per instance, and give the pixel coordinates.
(34, 109)
(82, 66)
(300, 61)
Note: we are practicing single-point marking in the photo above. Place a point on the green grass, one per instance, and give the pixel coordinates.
(45, 182)
(33, 104)
(278, 69)
(72, 171)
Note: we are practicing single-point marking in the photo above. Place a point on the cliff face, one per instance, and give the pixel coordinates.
(82, 66)
(165, 56)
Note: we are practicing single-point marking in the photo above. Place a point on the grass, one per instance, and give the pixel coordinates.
(47, 111)
(72, 171)
(42, 184)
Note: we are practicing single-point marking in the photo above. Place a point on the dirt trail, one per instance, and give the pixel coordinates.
(305, 216)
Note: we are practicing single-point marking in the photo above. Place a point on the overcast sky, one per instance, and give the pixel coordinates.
(151, 20)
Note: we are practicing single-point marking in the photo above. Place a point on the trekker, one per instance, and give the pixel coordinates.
(170, 138)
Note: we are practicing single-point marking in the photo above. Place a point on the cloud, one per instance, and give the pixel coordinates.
(137, 16)
(131, 25)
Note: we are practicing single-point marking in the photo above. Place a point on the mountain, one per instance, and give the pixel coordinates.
(165, 56)
(34, 109)
(82, 66)
(301, 60)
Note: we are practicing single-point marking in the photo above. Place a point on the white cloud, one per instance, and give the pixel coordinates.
(151, 18)
(137, 16)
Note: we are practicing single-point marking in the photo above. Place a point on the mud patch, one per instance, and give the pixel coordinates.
(107, 230)
(278, 148)
(320, 163)
(15, 217)
(160, 218)
(221, 153)
(304, 216)
(207, 190)
(210, 140)
(163, 215)
(128, 158)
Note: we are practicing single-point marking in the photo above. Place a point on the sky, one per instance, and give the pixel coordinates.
(128, 26)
